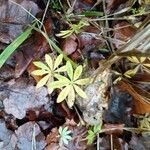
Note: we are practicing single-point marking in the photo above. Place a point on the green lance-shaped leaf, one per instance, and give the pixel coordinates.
(43, 81)
(63, 94)
(77, 72)
(69, 69)
(41, 65)
(49, 61)
(14, 45)
(80, 92)
(58, 61)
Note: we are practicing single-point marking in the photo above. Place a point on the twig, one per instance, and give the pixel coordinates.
(138, 38)
(47, 5)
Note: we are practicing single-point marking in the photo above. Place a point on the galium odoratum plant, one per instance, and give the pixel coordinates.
(75, 28)
(64, 135)
(70, 85)
(48, 70)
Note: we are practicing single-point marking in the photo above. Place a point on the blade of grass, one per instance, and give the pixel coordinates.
(14, 45)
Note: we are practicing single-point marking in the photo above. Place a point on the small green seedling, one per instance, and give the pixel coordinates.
(138, 63)
(75, 28)
(64, 135)
(92, 133)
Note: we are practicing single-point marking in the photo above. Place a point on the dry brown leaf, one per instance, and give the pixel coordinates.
(114, 4)
(141, 106)
(123, 31)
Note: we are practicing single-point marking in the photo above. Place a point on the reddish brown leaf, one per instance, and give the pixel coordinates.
(22, 96)
(141, 106)
(34, 48)
(69, 45)
(13, 18)
(114, 4)
(123, 31)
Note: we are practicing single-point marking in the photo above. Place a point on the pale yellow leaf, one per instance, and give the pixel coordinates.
(71, 97)
(142, 59)
(60, 77)
(39, 72)
(43, 81)
(63, 94)
(133, 59)
(58, 61)
(77, 73)
(61, 69)
(69, 69)
(147, 65)
(80, 92)
(130, 73)
(58, 84)
(49, 61)
(41, 65)
(82, 81)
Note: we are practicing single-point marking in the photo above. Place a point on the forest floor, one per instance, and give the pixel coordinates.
(75, 75)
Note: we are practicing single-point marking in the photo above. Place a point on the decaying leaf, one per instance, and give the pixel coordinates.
(25, 56)
(29, 136)
(69, 45)
(123, 31)
(119, 108)
(92, 107)
(21, 96)
(13, 18)
(141, 106)
(8, 140)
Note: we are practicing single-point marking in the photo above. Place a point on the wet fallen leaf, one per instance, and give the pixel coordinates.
(93, 106)
(39, 47)
(13, 18)
(21, 96)
(69, 45)
(7, 139)
(29, 136)
(140, 142)
(82, 5)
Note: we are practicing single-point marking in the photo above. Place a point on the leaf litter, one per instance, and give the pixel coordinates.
(44, 101)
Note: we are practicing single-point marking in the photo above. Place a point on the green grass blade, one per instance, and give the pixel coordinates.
(14, 45)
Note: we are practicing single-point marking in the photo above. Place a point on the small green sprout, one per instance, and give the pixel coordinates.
(138, 63)
(70, 85)
(64, 135)
(92, 133)
(48, 70)
(75, 28)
